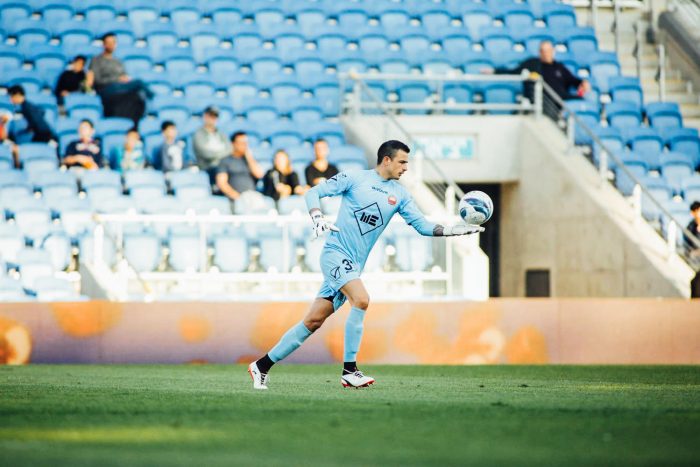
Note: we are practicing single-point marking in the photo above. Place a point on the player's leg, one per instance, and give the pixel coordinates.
(358, 297)
(320, 310)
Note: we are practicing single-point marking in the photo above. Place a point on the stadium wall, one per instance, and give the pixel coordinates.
(510, 331)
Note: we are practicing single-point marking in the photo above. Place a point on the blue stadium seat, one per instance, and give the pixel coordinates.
(500, 93)
(456, 43)
(330, 131)
(109, 125)
(627, 89)
(260, 110)
(434, 17)
(29, 33)
(676, 167)
(329, 40)
(80, 106)
(603, 66)
(475, 61)
(247, 41)
(660, 191)
(6, 160)
(308, 68)
(46, 57)
(558, 15)
(99, 11)
(33, 264)
(581, 41)
(31, 81)
(457, 93)
(373, 40)
(29, 151)
(241, 90)
(414, 44)
(73, 34)
(308, 17)
(33, 222)
(476, 18)
(623, 115)
(265, 67)
(121, 29)
(76, 217)
(183, 17)
(282, 134)
(198, 86)
(637, 167)
(187, 253)
(54, 289)
(178, 61)
(327, 92)
(13, 11)
(159, 37)
(136, 60)
(53, 12)
(350, 60)
(141, 13)
(92, 178)
(58, 244)
(414, 93)
(272, 253)
(11, 241)
(611, 137)
(224, 13)
(691, 188)
(283, 91)
(664, 114)
(533, 37)
(231, 253)
(11, 290)
(184, 178)
(304, 111)
(170, 108)
(348, 153)
(518, 16)
(352, 17)
(647, 143)
(683, 140)
(10, 58)
(269, 17)
(143, 251)
(202, 38)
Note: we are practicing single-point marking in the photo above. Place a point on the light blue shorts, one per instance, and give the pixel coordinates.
(338, 269)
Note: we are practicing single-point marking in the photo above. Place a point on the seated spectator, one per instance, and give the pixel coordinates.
(38, 129)
(210, 145)
(281, 180)
(5, 118)
(554, 73)
(238, 172)
(121, 95)
(131, 155)
(320, 169)
(692, 247)
(86, 152)
(171, 154)
(72, 80)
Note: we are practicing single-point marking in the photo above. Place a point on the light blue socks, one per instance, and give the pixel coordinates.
(353, 334)
(291, 341)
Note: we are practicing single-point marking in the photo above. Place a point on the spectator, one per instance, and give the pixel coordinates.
(320, 169)
(121, 95)
(170, 155)
(130, 156)
(86, 151)
(554, 73)
(238, 172)
(72, 80)
(693, 248)
(34, 115)
(5, 118)
(281, 180)
(210, 145)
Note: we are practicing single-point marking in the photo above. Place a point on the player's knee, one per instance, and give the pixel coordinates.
(313, 323)
(361, 302)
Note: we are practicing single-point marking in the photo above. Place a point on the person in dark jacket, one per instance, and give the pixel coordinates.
(692, 247)
(281, 180)
(33, 114)
(72, 80)
(554, 73)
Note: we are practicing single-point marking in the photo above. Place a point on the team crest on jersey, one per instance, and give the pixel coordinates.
(392, 200)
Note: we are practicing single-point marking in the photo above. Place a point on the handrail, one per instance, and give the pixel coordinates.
(360, 84)
(616, 24)
(603, 170)
(661, 73)
(637, 51)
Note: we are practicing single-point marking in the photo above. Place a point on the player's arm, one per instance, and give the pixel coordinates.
(334, 186)
(413, 217)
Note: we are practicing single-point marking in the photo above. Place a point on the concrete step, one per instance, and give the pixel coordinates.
(690, 110)
(672, 85)
(692, 122)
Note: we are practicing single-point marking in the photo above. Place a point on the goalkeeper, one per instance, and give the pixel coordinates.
(370, 199)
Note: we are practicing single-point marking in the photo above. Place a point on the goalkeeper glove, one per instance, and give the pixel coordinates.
(461, 229)
(321, 225)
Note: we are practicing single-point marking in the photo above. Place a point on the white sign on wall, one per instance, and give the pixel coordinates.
(448, 147)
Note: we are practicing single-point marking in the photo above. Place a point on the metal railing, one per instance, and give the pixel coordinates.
(606, 154)
(355, 104)
(661, 72)
(293, 272)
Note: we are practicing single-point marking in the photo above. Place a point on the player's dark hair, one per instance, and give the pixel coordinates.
(89, 122)
(166, 124)
(16, 89)
(695, 206)
(237, 134)
(389, 149)
(320, 140)
(107, 35)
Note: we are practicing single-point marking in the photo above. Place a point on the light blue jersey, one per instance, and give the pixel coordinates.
(369, 202)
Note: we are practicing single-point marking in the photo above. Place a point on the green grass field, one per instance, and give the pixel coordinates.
(415, 415)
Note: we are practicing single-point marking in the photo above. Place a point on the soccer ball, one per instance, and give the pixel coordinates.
(475, 207)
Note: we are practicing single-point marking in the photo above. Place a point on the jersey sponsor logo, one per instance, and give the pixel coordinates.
(392, 200)
(369, 218)
(337, 177)
(335, 272)
(379, 190)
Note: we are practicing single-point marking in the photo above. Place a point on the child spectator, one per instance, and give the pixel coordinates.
(72, 80)
(171, 154)
(130, 156)
(86, 152)
(34, 115)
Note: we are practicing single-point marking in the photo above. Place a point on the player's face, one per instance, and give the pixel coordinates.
(398, 165)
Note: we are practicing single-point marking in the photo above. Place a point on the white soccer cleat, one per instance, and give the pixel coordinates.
(356, 380)
(259, 379)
